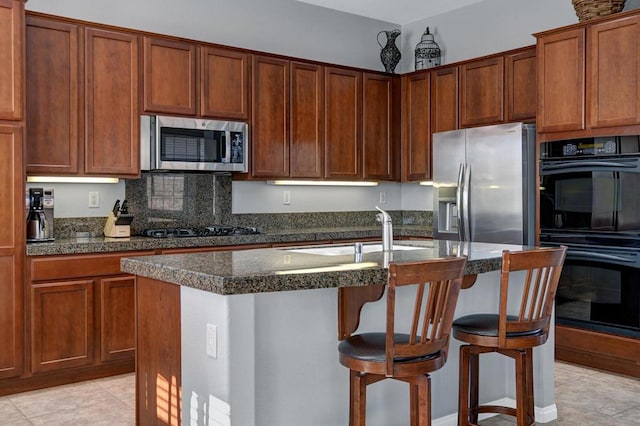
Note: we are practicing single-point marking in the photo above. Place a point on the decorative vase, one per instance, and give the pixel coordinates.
(390, 54)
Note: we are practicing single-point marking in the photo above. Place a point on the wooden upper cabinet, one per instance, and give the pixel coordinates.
(53, 112)
(11, 59)
(444, 99)
(169, 76)
(613, 80)
(482, 92)
(416, 134)
(12, 235)
(521, 91)
(307, 141)
(343, 117)
(379, 127)
(561, 77)
(111, 105)
(224, 89)
(270, 140)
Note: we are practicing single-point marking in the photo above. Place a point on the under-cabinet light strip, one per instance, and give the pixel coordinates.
(321, 183)
(70, 179)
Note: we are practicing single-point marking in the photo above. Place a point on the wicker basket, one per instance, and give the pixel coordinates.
(589, 9)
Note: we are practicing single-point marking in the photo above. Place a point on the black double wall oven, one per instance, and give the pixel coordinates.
(590, 202)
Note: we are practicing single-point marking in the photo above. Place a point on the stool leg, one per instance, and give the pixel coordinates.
(529, 377)
(463, 387)
(420, 400)
(522, 389)
(474, 373)
(358, 399)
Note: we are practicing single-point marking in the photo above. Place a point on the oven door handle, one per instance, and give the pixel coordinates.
(547, 169)
(598, 256)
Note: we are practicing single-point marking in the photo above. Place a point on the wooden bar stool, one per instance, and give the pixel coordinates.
(513, 335)
(416, 351)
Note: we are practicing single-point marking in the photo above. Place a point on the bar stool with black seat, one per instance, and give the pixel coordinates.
(407, 354)
(512, 334)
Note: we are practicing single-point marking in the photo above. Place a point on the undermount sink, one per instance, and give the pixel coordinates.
(342, 250)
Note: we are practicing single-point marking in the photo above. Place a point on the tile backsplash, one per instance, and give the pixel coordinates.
(168, 200)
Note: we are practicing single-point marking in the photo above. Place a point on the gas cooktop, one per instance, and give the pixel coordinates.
(207, 231)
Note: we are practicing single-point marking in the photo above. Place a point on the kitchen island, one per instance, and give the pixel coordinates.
(249, 337)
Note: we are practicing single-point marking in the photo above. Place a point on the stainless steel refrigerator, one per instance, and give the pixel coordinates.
(484, 184)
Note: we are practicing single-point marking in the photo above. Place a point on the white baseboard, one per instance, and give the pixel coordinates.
(543, 414)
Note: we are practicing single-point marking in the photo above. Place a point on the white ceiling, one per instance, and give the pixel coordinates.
(396, 11)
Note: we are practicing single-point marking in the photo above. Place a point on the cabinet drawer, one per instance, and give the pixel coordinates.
(86, 265)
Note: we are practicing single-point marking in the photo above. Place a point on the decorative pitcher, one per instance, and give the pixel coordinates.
(390, 54)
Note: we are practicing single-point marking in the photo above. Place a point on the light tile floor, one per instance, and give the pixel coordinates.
(584, 397)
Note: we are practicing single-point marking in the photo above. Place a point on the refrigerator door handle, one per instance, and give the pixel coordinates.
(459, 202)
(465, 202)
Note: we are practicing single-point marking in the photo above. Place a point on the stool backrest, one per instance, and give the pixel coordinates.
(437, 285)
(543, 267)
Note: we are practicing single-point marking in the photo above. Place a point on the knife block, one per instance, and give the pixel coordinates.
(115, 230)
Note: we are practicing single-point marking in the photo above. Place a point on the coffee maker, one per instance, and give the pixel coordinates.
(40, 204)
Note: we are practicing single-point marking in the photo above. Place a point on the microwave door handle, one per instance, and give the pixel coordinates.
(589, 255)
(459, 202)
(226, 154)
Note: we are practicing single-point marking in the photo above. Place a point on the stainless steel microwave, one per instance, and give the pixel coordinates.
(193, 144)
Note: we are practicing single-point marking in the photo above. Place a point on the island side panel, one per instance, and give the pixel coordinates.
(158, 356)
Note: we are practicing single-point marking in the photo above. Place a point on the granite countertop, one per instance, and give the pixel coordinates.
(293, 236)
(271, 269)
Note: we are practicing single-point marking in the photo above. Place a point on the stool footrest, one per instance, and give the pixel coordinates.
(499, 409)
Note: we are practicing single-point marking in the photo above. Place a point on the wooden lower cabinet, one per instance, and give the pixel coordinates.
(117, 318)
(62, 331)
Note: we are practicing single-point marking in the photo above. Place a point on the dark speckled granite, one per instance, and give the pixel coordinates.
(284, 236)
(270, 270)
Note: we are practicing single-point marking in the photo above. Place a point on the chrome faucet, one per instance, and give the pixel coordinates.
(387, 229)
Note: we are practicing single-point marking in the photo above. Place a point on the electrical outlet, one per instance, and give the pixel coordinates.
(383, 197)
(94, 199)
(212, 341)
(286, 197)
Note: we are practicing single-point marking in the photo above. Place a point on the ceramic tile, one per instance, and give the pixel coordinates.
(69, 397)
(107, 411)
(10, 415)
(122, 387)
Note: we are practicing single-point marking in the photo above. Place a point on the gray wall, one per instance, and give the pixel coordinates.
(488, 27)
(278, 26)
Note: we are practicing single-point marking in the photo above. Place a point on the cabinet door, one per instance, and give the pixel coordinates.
(225, 84)
(52, 99)
(111, 108)
(343, 118)
(444, 100)
(416, 135)
(62, 332)
(520, 78)
(561, 77)
(613, 82)
(169, 76)
(270, 142)
(11, 58)
(307, 142)
(378, 127)
(11, 251)
(482, 92)
(117, 318)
